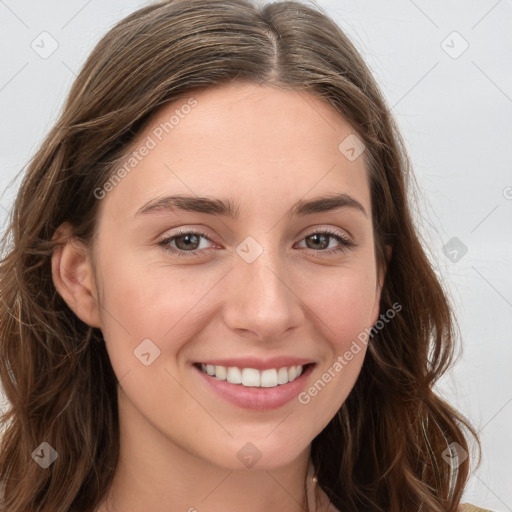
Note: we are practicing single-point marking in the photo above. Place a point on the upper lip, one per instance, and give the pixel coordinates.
(259, 364)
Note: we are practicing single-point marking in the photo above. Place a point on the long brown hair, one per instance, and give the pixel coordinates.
(383, 451)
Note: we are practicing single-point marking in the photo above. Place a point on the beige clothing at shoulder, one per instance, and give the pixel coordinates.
(314, 492)
(467, 507)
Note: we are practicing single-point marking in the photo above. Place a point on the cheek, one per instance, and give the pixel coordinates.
(343, 307)
(149, 317)
(145, 301)
(344, 302)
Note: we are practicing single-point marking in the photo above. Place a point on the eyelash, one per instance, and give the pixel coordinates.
(345, 243)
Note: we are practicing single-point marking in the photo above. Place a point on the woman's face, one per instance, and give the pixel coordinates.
(248, 277)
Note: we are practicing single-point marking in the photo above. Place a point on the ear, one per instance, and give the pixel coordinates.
(73, 276)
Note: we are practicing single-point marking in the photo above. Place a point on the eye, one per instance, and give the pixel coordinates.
(186, 243)
(320, 241)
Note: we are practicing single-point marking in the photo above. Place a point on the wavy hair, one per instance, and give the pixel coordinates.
(385, 449)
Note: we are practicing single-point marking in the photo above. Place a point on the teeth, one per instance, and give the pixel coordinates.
(220, 372)
(269, 378)
(282, 376)
(234, 375)
(251, 377)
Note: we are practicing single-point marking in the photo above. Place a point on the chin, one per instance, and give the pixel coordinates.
(258, 453)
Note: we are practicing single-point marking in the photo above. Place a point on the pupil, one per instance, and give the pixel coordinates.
(317, 238)
(186, 240)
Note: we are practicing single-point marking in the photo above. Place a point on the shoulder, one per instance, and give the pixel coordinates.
(467, 507)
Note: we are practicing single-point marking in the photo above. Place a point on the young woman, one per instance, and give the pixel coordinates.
(213, 294)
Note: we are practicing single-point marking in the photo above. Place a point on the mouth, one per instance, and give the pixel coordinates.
(250, 388)
(252, 377)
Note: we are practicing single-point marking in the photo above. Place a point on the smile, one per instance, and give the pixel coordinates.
(251, 377)
(250, 388)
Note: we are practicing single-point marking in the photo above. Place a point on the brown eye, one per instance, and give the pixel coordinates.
(321, 240)
(187, 242)
(318, 241)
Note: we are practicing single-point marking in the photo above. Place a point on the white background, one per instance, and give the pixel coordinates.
(455, 115)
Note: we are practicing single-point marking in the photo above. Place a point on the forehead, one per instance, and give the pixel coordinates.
(250, 113)
(245, 141)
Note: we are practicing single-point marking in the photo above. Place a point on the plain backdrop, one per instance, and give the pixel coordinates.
(445, 69)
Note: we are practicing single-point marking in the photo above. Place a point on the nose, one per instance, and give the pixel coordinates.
(261, 301)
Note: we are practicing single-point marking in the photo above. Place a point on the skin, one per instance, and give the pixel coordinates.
(264, 148)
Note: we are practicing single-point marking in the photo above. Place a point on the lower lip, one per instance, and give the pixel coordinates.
(260, 399)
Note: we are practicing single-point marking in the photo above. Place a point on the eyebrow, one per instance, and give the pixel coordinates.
(227, 208)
